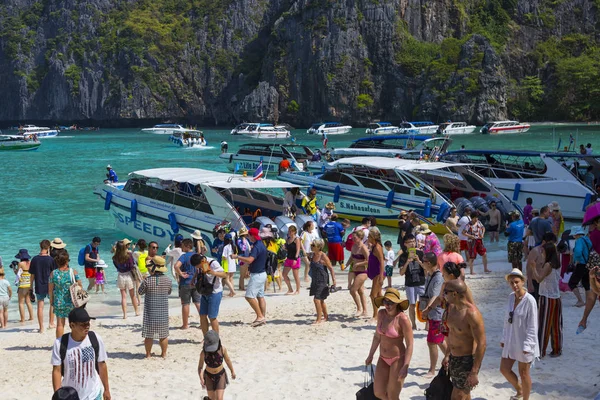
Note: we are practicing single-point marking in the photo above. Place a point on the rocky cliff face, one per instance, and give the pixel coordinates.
(223, 61)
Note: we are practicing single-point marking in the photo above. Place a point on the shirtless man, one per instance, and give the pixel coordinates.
(466, 340)
(452, 221)
(494, 222)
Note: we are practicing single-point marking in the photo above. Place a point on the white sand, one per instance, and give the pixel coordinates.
(290, 359)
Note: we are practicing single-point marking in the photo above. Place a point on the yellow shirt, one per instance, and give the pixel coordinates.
(142, 262)
(310, 205)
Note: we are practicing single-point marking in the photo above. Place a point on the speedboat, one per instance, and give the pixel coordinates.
(39, 131)
(381, 128)
(382, 187)
(18, 143)
(455, 128)
(417, 127)
(403, 146)
(261, 131)
(504, 127)
(167, 129)
(328, 128)
(250, 155)
(188, 139)
(159, 203)
(523, 174)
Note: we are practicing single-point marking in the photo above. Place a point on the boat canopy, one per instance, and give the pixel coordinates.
(382, 138)
(167, 126)
(396, 163)
(196, 176)
(421, 123)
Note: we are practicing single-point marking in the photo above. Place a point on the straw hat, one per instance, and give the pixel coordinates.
(515, 272)
(57, 243)
(424, 229)
(126, 241)
(554, 206)
(196, 234)
(330, 205)
(158, 264)
(394, 296)
(242, 231)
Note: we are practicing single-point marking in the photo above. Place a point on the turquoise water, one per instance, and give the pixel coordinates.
(49, 193)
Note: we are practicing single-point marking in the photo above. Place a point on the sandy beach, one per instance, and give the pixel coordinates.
(290, 359)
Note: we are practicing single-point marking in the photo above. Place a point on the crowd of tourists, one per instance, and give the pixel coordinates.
(435, 291)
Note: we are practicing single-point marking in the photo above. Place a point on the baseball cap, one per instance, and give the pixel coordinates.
(254, 233)
(211, 341)
(79, 315)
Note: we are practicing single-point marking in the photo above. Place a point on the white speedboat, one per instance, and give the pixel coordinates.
(188, 139)
(504, 127)
(261, 131)
(159, 203)
(39, 132)
(417, 127)
(381, 128)
(382, 187)
(167, 129)
(329, 128)
(250, 155)
(523, 174)
(18, 143)
(455, 128)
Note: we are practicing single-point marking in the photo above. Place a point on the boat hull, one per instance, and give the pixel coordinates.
(19, 147)
(335, 131)
(460, 131)
(266, 135)
(383, 131)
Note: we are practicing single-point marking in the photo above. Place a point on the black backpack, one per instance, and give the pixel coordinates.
(271, 263)
(64, 344)
(203, 285)
(440, 387)
(282, 253)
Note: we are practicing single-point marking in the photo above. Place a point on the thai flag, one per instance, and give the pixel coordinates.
(571, 138)
(258, 173)
(421, 154)
(324, 140)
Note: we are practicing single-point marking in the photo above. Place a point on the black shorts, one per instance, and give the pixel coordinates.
(188, 293)
(492, 228)
(580, 274)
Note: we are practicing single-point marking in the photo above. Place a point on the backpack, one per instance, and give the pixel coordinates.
(203, 285)
(282, 253)
(81, 256)
(440, 387)
(64, 343)
(271, 263)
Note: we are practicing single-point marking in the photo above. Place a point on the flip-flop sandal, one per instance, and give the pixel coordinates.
(258, 323)
(516, 397)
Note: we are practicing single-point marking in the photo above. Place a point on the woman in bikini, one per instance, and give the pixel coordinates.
(214, 378)
(358, 266)
(394, 337)
(375, 267)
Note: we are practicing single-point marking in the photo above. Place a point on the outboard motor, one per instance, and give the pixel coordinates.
(461, 204)
(479, 203)
(264, 221)
(283, 224)
(302, 219)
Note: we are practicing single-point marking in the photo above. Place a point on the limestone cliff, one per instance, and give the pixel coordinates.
(217, 62)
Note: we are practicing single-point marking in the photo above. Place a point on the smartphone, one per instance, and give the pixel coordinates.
(412, 252)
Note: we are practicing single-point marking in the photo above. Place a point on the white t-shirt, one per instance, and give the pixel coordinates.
(462, 222)
(215, 266)
(80, 366)
(174, 256)
(231, 263)
(389, 257)
(307, 239)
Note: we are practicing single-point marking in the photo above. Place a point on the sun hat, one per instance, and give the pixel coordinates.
(79, 315)
(57, 243)
(242, 231)
(158, 264)
(330, 205)
(254, 233)
(126, 241)
(394, 296)
(554, 206)
(23, 255)
(101, 264)
(424, 229)
(578, 230)
(515, 272)
(108, 166)
(265, 232)
(228, 236)
(65, 393)
(196, 234)
(211, 341)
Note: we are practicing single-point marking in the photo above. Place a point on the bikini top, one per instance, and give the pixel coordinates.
(214, 359)
(358, 256)
(391, 331)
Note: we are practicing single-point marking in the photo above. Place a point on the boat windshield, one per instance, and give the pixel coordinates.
(179, 193)
(503, 166)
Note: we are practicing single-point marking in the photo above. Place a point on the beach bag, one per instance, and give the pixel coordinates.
(440, 387)
(349, 242)
(282, 253)
(79, 297)
(367, 392)
(271, 263)
(81, 256)
(593, 260)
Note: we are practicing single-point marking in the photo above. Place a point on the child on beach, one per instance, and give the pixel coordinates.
(100, 277)
(214, 377)
(5, 295)
(229, 264)
(389, 262)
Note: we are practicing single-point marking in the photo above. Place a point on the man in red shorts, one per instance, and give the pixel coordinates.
(91, 257)
(461, 225)
(335, 233)
(475, 231)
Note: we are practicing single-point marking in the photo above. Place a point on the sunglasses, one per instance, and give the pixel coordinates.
(387, 302)
(510, 317)
(154, 247)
